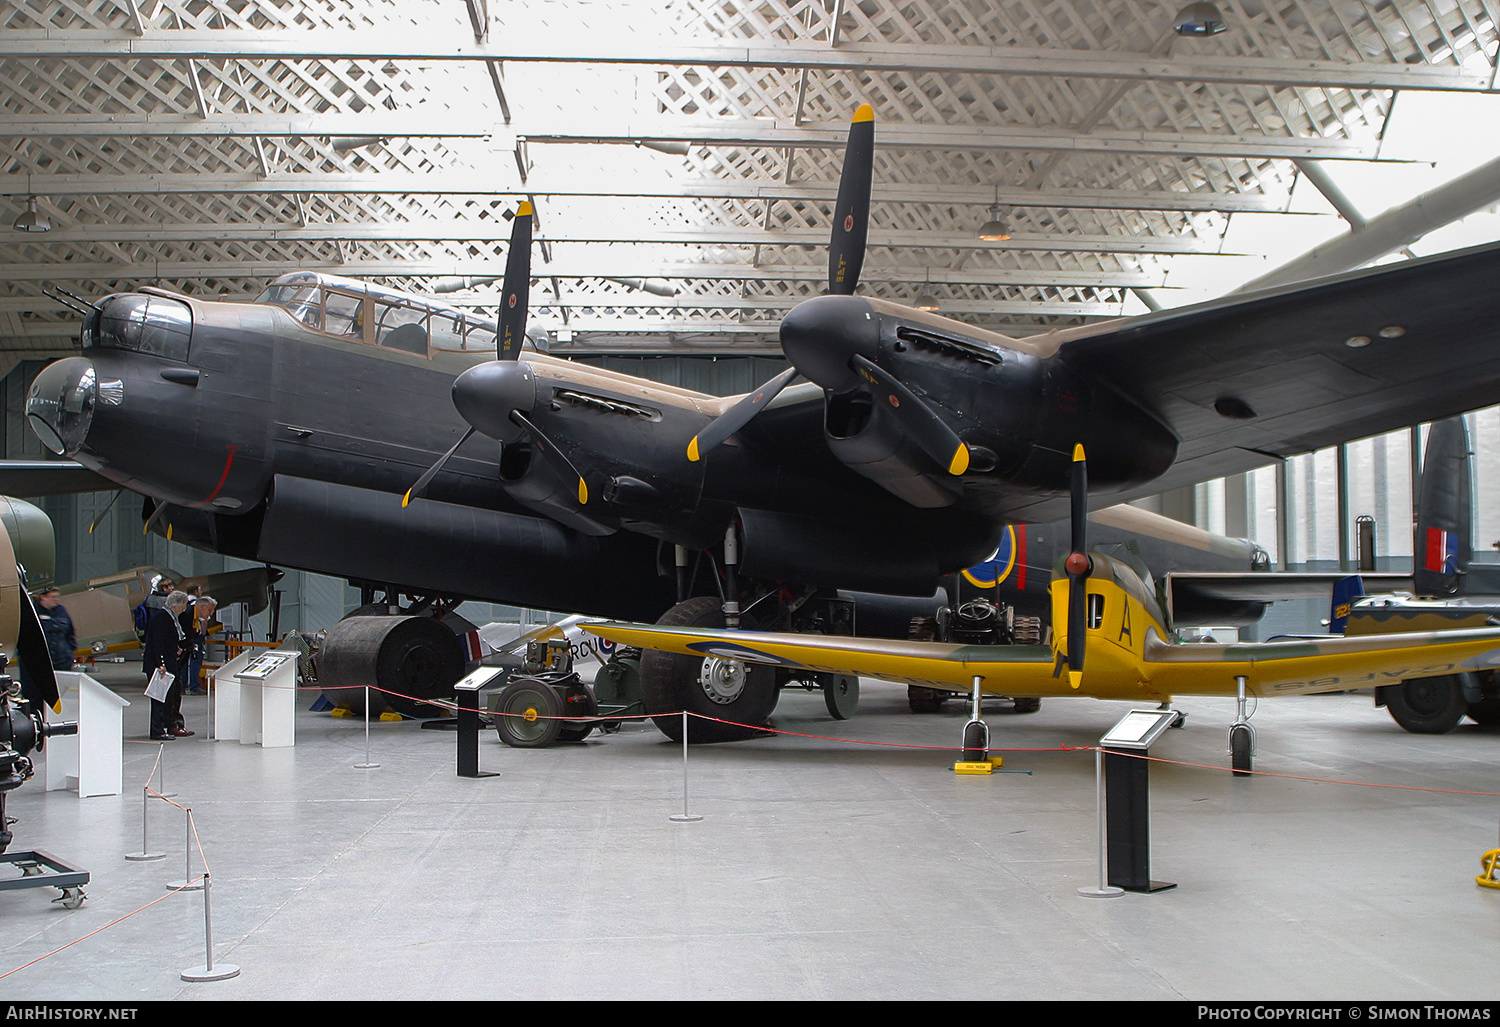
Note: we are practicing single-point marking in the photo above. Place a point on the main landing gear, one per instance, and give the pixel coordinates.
(732, 698)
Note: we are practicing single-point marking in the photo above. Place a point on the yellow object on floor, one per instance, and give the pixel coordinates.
(979, 766)
(1491, 863)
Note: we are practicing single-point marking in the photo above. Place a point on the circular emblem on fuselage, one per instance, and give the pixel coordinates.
(848, 222)
(895, 402)
(510, 301)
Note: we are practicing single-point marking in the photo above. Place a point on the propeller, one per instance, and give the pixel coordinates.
(737, 416)
(495, 397)
(517, 286)
(1078, 565)
(851, 211)
(832, 341)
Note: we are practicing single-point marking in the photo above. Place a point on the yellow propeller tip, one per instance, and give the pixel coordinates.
(693, 450)
(169, 533)
(1078, 452)
(960, 462)
(524, 210)
(864, 112)
(406, 498)
(583, 493)
(57, 706)
(1075, 678)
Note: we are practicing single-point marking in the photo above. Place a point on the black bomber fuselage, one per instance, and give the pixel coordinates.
(270, 440)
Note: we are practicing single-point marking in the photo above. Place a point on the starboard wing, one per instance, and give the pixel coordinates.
(1304, 666)
(1243, 380)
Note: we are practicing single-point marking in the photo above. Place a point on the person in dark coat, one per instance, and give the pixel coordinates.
(165, 648)
(57, 626)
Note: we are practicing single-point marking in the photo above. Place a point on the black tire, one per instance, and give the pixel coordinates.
(840, 694)
(1241, 746)
(1486, 711)
(925, 700)
(1427, 706)
(670, 683)
(526, 714)
(580, 703)
(1026, 704)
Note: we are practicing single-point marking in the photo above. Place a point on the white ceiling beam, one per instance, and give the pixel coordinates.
(377, 44)
(600, 266)
(494, 231)
(623, 300)
(487, 183)
(745, 132)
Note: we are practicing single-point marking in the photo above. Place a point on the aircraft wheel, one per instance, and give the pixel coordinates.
(840, 695)
(527, 712)
(1241, 750)
(1486, 711)
(1427, 706)
(711, 686)
(924, 700)
(580, 703)
(1026, 704)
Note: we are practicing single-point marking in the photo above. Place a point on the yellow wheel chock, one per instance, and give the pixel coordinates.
(1490, 861)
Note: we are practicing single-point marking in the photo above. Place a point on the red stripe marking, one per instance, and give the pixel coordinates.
(228, 463)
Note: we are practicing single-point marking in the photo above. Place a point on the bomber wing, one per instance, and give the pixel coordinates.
(1246, 379)
(50, 478)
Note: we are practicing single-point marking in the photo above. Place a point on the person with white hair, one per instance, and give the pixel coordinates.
(165, 649)
(196, 621)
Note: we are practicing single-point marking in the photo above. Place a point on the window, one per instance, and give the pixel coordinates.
(147, 324)
(343, 313)
(402, 326)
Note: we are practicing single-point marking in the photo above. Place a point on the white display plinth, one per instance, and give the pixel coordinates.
(92, 761)
(268, 700)
(227, 713)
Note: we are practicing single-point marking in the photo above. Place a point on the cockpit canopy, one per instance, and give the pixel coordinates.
(361, 312)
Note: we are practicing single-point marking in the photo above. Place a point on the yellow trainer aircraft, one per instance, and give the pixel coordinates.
(1103, 607)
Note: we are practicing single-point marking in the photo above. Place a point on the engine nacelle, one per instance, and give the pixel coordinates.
(866, 436)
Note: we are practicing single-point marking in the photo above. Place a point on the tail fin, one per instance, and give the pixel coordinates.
(1445, 517)
(1345, 591)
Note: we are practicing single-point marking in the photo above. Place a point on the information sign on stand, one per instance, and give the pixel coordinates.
(1127, 788)
(468, 691)
(90, 762)
(268, 700)
(226, 688)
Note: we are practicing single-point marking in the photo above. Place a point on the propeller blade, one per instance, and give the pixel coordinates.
(107, 507)
(512, 326)
(737, 416)
(1078, 566)
(851, 212)
(416, 491)
(929, 431)
(555, 456)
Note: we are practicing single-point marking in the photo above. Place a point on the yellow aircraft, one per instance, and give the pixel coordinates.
(1106, 608)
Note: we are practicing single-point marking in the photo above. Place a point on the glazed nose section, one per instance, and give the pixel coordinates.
(60, 405)
(820, 335)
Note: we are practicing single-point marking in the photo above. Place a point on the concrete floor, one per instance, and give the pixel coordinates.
(821, 869)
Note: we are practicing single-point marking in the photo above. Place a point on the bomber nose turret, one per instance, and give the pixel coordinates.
(61, 402)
